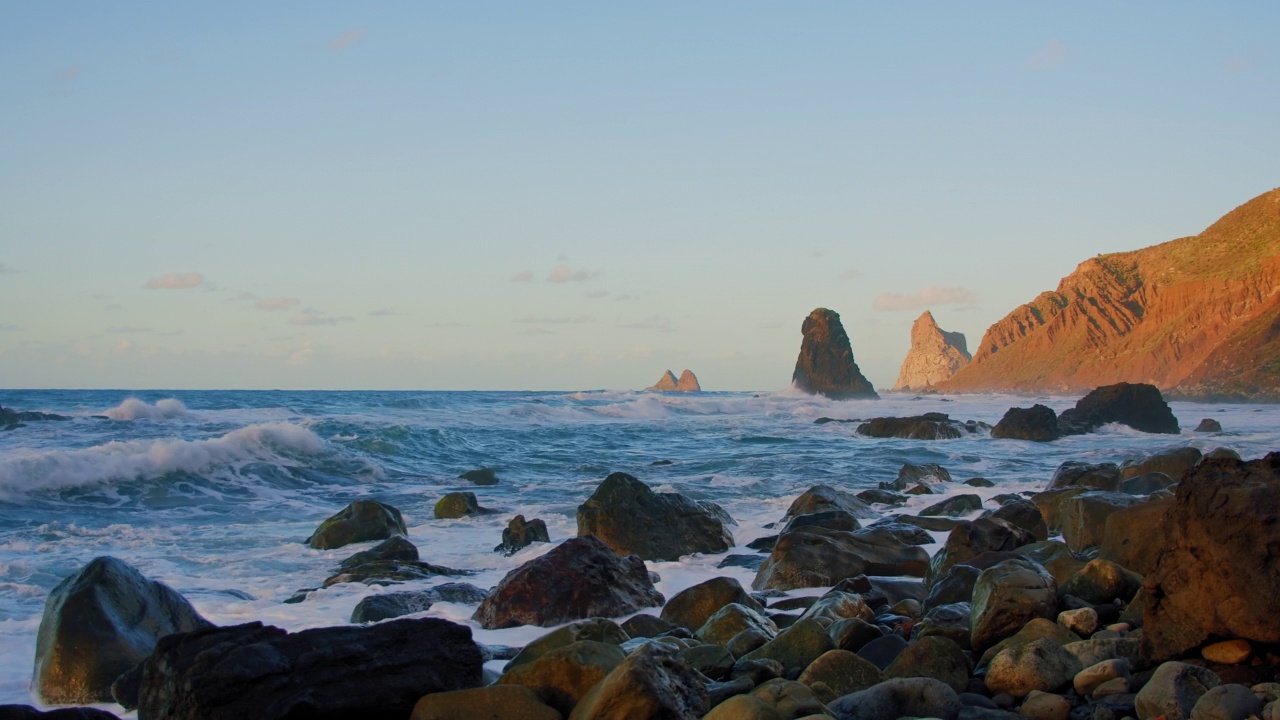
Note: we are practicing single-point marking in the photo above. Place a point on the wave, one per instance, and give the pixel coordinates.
(135, 409)
(276, 443)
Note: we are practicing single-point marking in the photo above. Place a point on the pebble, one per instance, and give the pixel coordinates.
(1091, 677)
(1082, 621)
(1227, 652)
(1045, 706)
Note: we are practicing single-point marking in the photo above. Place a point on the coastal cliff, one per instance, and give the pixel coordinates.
(1198, 317)
(935, 355)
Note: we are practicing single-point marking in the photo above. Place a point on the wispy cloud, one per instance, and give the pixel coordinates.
(561, 274)
(346, 40)
(382, 312)
(6, 270)
(929, 296)
(1243, 61)
(9, 328)
(127, 330)
(850, 274)
(277, 303)
(522, 276)
(1053, 54)
(311, 316)
(175, 281)
(565, 320)
(301, 355)
(654, 322)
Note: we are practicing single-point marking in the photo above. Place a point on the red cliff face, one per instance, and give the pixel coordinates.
(1198, 317)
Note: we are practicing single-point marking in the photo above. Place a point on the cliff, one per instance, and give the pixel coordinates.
(826, 364)
(1198, 317)
(935, 355)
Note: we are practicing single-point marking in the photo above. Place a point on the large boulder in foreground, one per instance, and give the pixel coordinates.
(1216, 576)
(581, 578)
(262, 672)
(1006, 597)
(360, 521)
(1138, 405)
(813, 556)
(634, 520)
(651, 683)
(100, 622)
(826, 365)
(1038, 422)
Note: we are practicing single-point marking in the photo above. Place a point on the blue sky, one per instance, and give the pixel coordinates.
(582, 195)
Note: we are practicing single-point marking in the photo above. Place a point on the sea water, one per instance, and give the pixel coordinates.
(214, 492)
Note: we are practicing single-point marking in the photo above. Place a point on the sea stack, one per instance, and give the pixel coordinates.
(688, 382)
(825, 365)
(935, 355)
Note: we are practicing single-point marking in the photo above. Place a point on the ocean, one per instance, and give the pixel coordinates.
(214, 492)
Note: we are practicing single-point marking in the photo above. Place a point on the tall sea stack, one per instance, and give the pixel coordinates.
(826, 365)
(935, 355)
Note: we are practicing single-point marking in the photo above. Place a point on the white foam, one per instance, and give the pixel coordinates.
(135, 409)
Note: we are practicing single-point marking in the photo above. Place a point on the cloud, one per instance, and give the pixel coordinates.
(9, 328)
(127, 330)
(70, 74)
(522, 276)
(311, 316)
(124, 346)
(382, 312)
(1053, 54)
(346, 40)
(561, 274)
(597, 294)
(565, 320)
(175, 281)
(277, 303)
(655, 322)
(931, 295)
(850, 274)
(6, 270)
(301, 355)
(1243, 61)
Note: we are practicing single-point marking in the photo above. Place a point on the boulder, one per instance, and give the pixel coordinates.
(955, 506)
(1007, 596)
(692, 607)
(26, 712)
(950, 621)
(1212, 579)
(1081, 621)
(935, 355)
(823, 498)
(1209, 425)
(1036, 629)
(899, 698)
(1045, 706)
(1023, 513)
(458, 505)
(595, 629)
(1055, 556)
(480, 476)
(580, 578)
(100, 622)
(796, 646)
(816, 557)
(882, 497)
(1170, 462)
(1093, 651)
(882, 651)
(1091, 476)
(841, 672)
(1173, 691)
(955, 585)
(1138, 405)
(390, 572)
(360, 521)
(561, 677)
(495, 702)
(650, 683)
(1038, 665)
(1102, 582)
(826, 365)
(853, 633)
(932, 657)
(970, 539)
(262, 672)
(646, 626)
(1050, 504)
(1037, 423)
(521, 533)
(1088, 679)
(1146, 483)
(713, 661)
(397, 604)
(1227, 702)
(732, 620)
(1084, 517)
(929, 426)
(839, 605)
(634, 520)
(830, 519)
(395, 548)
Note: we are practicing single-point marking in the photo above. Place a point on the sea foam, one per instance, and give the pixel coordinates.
(135, 409)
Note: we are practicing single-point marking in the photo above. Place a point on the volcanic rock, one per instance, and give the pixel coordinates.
(1008, 595)
(262, 672)
(822, 498)
(632, 519)
(495, 702)
(521, 533)
(817, 557)
(651, 683)
(458, 505)
(1209, 425)
(581, 578)
(360, 521)
(100, 622)
(929, 426)
(1138, 405)
(666, 383)
(1037, 422)
(688, 382)
(826, 365)
(480, 476)
(935, 355)
(562, 676)
(899, 698)
(692, 607)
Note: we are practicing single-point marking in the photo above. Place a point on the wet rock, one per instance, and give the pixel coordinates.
(829, 519)
(360, 521)
(1209, 425)
(841, 672)
(816, 557)
(634, 520)
(521, 533)
(1138, 405)
(750, 562)
(262, 672)
(899, 698)
(970, 539)
(955, 506)
(907, 533)
(1036, 629)
(646, 626)
(1050, 504)
(953, 586)
(1227, 702)
(929, 426)
(882, 497)
(395, 548)
(692, 607)
(979, 482)
(932, 657)
(1037, 423)
(1170, 462)
(1133, 537)
(397, 604)
(911, 474)
(882, 651)
(823, 498)
(1102, 581)
(1173, 691)
(26, 712)
(1021, 512)
(1088, 679)
(580, 578)
(853, 633)
(561, 677)
(1222, 516)
(480, 476)
(390, 572)
(1007, 596)
(458, 505)
(826, 365)
(1038, 665)
(789, 699)
(713, 661)
(731, 620)
(595, 629)
(100, 622)
(650, 683)
(1146, 483)
(495, 702)
(1092, 476)
(838, 605)
(796, 646)
(1227, 652)
(1084, 517)
(950, 621)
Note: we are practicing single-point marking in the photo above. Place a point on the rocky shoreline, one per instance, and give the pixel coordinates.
(1141, 589)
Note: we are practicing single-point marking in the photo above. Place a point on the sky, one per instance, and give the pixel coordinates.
(566, 196)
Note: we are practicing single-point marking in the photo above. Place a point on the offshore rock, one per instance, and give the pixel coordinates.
(360, 521)
(634, 520)
(1138, 405)
(688, 382)
(929, 426)
(935, 355)
(581, 578)
(262, 672)
(666, 383)
(99, 623)
(826, 365)
(521, 533)
(1038, 422)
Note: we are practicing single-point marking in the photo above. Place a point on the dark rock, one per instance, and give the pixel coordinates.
(882, 651)
(750, 562)
(853, 633)
(882, 497)
(1037, 422)
(651, 683)
(661, 463)
(505, 702)
(933, 657)
(396, 548)
(979, 482)
(390, 572)
(692, 607)
(1209, 425)
(262, 672)
(905, 532)
(124, 689)
(1102, 582)
(796, 646)
(1006, 596)
(899, 698)
(1037, 665)
(1036, 629)
(1213, 578)
(1173, 691)
(950, 621)
(763, 544)
(26, 712)
(646, 626)
(1146, 483)
(929, 473)
(731, 620)
(100, 622)
(634, 520)
(480, 476)
(595, 629)
(1138, 405)
(561, 677)
(1133, 537)
(830, 519)
(936, 524)
(1050, 504)
(360, 521)
(1084, 517)
(816, 557)
(970, 539)
(1092, 476)
(580, 578)
(458, 505)
(841, 672)
(822, 498)
(1021, 512)
(826, 365)
(929, 426)
(391, 605)
(1170, 462)
(520, 534)
(955, 506)
(1055, 556)
(955, 585)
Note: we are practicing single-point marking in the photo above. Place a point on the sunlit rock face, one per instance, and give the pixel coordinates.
(935, 355)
